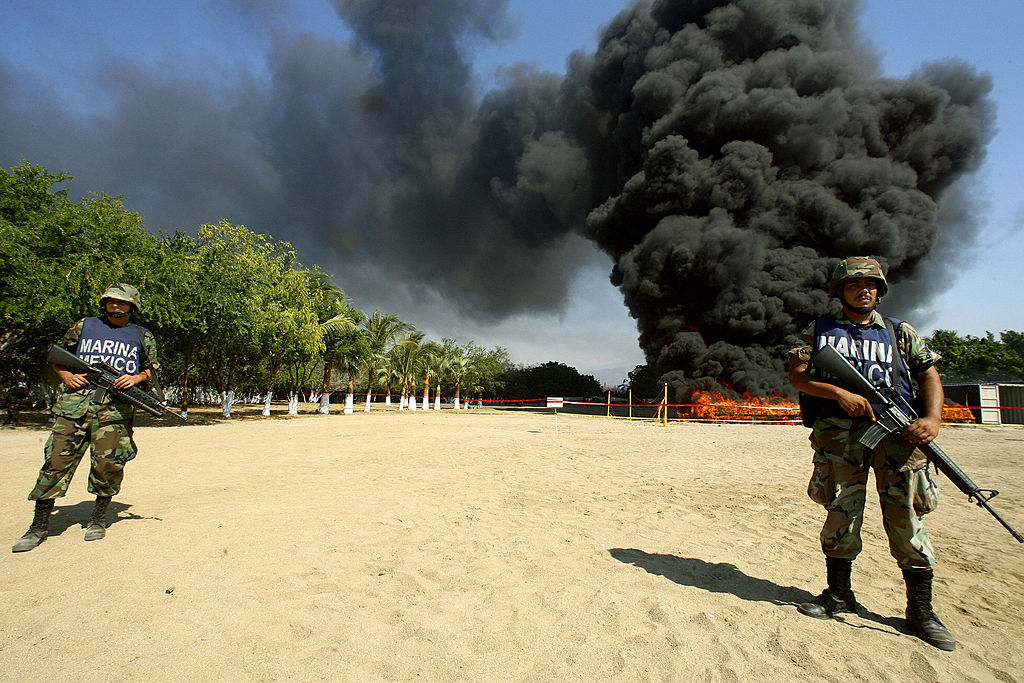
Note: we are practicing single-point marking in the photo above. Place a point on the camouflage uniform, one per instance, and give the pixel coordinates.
(841, 464)
(81, 422)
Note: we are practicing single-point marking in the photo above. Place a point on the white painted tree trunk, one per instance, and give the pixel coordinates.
(437, 401)
(412, 401)
(387, 400)
(325, 403)
(227, 398)
(293, 404)
(426, 398)
(266, 404)
(349, 404)
(366, 408)
(403, 402)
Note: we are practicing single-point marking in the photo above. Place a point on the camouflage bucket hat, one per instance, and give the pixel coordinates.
(123, 292)
(857, 266)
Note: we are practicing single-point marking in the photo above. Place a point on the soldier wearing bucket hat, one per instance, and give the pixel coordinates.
(82, 421)
(890, 350)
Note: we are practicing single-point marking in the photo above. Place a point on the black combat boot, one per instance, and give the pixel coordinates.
(920, 617)
(96, 527)
(838, 597)
(36, 533)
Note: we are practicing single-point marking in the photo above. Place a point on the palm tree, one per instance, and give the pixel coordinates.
(380, 330)
(404, 355)
(428, 360)
(443, 369)
(340, 334)
(387, 375)
(350, 362)
(459, 367)
(446, 356)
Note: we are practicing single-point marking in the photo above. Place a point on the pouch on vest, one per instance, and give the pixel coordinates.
(808, 409)
(151, 385)
(810, 405)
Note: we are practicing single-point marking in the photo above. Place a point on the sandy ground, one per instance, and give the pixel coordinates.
(465, 546)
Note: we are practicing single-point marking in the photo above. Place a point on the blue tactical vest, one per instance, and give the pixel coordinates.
(119, 347)
(869, 349)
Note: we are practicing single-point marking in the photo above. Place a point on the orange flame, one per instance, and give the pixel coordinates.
(711, 405)
(952, 412)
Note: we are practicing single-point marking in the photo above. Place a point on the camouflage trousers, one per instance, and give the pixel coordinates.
(111, 444)
(905, 493)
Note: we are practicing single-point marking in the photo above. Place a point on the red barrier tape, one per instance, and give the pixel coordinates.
(656, 406)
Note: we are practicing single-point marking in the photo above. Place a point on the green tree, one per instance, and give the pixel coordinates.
(241, 275)
(1014, 344)
(972, 358)
(549, 379)
(404, 356)
(387, 376)
(487, 370)
(29, 206)
(57, 257)
(179, 319)
(381, 330)
(452, 367)
(290, 330)
(345, 347)
(644, 382)
(427, 365)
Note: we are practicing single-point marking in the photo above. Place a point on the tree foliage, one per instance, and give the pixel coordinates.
(979, 359)
(233, 310)
(644, 381)
(56, 257)
(549, 379)
(487, 370)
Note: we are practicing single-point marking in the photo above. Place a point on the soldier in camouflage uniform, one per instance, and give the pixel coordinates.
(841, 462)
(82, 421)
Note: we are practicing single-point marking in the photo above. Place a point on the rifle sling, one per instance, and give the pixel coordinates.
(897, 366)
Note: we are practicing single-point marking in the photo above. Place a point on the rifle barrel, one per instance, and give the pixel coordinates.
(1006, 525)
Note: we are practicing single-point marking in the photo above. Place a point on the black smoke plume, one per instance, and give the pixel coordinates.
(751, 147)
(367, 145)
(724, 154)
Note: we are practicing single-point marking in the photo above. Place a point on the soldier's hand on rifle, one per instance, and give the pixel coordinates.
(125, 381)
(71, 379)
(922, 430)
(855, 405)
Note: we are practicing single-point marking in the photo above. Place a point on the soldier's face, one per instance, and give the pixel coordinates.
(860, 293)
(117, 311)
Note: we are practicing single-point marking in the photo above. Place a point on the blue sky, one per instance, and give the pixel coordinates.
(60, 44)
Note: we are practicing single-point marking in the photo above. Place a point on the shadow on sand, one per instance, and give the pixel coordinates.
(75, 516)
(723, 577)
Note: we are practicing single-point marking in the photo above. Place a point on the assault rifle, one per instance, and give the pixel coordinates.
(102, 376)
(893, 414)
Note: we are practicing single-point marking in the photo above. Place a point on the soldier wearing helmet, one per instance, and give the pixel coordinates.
(82, 421)
(890, 349)
(121, 292)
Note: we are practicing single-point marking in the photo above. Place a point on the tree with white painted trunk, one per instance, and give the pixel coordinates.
(381, 330)
(404, 356)
(344, 346)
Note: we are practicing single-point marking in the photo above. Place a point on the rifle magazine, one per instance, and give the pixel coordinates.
(874, 435)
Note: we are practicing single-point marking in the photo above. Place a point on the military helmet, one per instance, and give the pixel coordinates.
(123, 292)
(857, 266)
